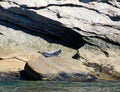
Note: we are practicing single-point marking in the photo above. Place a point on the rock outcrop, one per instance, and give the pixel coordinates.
(65, 20)
(92, 27)
(24, 47)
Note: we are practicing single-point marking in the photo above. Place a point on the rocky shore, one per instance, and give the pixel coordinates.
(88, 33)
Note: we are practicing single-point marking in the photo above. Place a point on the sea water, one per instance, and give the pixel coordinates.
(57, 86)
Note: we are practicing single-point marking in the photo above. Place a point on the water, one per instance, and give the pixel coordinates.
(55, 86)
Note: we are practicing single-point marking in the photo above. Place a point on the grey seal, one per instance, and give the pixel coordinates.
(52, 53)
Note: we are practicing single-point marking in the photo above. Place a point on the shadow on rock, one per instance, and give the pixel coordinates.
(34, 24)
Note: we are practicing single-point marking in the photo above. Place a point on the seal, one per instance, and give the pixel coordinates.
(52, 53)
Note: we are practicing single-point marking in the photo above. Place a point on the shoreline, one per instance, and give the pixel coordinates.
(7, 76)
(12, 76)
(21, 76)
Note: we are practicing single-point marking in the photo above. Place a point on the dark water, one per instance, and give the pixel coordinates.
(54, 86)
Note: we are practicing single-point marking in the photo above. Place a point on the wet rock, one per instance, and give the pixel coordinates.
(8, 76)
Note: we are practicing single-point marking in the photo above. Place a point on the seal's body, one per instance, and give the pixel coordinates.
(51, 54)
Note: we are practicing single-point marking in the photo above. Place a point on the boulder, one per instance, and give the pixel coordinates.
(58, 68)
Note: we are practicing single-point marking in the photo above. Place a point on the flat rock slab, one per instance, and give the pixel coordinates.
(57, 68)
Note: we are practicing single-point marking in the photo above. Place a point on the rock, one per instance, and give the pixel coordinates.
(83, 25)
(9, 76)
(57, 68)
(93, 28)
(15, 42)
(105, 67)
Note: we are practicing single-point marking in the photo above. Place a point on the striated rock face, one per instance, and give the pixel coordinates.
(93, 27)
(66, 20)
